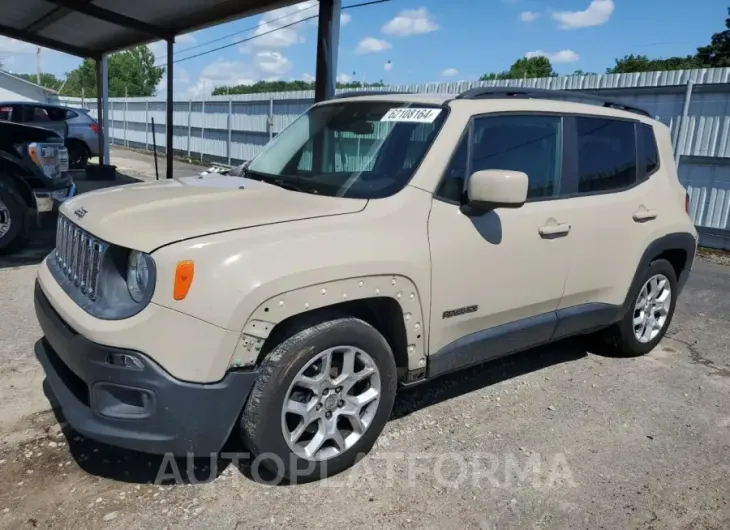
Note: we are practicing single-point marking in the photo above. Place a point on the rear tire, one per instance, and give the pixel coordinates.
(78, 155)
(649, 315)
(13, 218)
(326, 405)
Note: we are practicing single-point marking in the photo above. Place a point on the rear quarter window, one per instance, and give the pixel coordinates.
(650, 153)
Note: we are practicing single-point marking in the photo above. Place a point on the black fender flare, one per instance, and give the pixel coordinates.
(677, 241)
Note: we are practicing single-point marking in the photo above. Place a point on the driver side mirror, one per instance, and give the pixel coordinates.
(496, 188)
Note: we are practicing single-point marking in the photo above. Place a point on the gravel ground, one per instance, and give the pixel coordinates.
(557, 437)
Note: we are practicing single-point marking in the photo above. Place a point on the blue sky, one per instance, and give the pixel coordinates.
(419, 41)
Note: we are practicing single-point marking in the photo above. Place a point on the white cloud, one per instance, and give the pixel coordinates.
(344, 78)
(223, 73)
(309, 78)
(598, 12)
(273, 63)
(266, 65)
(529, 16)
(345, 19)
(450, 72)
(372, 45)
(410, 22)
(563, 56)
(23, 54)
(388, 66)
(12, 46)
(180, 81)
(274, 22)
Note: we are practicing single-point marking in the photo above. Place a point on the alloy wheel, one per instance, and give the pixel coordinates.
(331, 403)
(652, 308)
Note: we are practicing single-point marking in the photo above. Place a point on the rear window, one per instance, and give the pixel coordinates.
(606, 154)
(650, 158)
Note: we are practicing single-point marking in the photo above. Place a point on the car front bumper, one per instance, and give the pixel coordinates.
(123, 398)
(50, 201)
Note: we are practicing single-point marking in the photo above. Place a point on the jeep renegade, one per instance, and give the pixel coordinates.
(377, 242)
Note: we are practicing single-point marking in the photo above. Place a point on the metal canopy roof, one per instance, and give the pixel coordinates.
(92, 28)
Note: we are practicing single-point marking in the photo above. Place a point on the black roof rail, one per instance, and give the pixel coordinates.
(355, 93)
(542, 93)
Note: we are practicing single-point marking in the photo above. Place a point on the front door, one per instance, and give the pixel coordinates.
(498, 278)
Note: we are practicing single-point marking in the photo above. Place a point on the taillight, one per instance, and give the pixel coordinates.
(94, 127)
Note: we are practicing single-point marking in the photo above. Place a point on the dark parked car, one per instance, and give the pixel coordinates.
(75, 125)
(34, 179)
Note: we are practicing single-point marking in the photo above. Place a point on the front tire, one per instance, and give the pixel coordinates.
(650, 313)
(13, 218)
(322, 398)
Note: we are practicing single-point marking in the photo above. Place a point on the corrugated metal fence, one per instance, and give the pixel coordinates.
(695, 104)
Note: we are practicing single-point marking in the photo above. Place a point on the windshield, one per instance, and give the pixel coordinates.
(357, 149)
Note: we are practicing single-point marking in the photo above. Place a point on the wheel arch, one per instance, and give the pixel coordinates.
(677, 248)
(390, 303)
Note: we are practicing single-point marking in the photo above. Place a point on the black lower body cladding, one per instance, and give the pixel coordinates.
(125, 399)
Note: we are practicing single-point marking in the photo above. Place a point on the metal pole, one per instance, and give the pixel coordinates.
(107, 114)
(683, 122)
(169, 107)
(202, 130)
(100, 112)
(126, 94)
(328, 36)
(190, 128)
(146, 122)
(230, 111)
(154, 149)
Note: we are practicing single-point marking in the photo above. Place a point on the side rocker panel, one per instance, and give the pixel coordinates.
(278, 308)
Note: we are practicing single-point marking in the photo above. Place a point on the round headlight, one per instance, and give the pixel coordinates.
(138, 275)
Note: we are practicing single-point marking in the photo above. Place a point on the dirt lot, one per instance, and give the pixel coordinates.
(551, 438)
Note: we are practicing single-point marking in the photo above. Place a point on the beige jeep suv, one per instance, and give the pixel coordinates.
(377, 242)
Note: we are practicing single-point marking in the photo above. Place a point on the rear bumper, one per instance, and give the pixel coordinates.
(123, 398)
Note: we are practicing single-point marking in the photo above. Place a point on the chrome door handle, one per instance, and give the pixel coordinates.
(554, 230)
(645, 215)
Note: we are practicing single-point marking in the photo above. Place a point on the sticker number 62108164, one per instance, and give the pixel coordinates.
(413, 115)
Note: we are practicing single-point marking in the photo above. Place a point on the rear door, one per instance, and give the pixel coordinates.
(47, 117)
(613, 214)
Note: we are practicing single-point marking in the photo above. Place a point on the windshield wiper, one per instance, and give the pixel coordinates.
(282, 182)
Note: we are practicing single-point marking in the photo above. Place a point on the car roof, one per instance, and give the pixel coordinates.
(500, 100)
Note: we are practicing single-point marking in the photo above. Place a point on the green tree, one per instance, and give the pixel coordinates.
(580, 72)
(641, 63)
(527, 67)
(284, 86)
(131, 72)
(717, 53)
(47, 80)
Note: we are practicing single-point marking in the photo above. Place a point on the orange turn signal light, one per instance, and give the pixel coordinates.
(183, 279)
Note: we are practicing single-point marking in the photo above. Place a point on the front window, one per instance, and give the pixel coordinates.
(357, 149)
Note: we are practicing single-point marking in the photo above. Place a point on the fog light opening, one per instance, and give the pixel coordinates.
(123, 360)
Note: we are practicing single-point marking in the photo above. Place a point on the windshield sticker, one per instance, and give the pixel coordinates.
(412, 115)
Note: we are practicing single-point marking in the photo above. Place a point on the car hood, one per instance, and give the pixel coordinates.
(146, 216)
